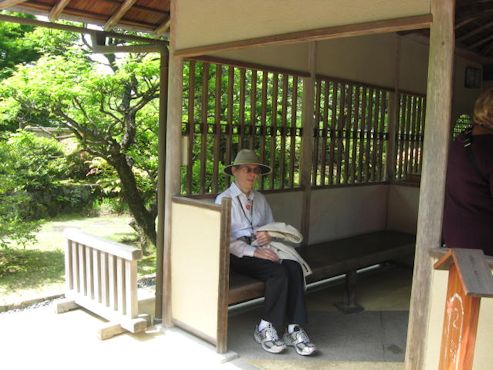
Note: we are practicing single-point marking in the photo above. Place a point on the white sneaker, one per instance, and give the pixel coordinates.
(268, 338)
(300, 341)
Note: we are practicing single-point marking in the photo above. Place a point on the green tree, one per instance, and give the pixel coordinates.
(113, 114)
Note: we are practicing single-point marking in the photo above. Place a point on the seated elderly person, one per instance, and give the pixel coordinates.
(284, 281)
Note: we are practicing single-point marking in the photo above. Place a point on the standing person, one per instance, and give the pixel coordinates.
(468, 211)
(284, 281)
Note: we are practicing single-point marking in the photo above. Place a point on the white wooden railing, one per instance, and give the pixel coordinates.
(101, 276)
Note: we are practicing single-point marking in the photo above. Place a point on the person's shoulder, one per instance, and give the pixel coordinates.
(259, 195)
(225, 194)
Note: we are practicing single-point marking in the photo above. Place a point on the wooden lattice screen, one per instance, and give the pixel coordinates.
(351, 133)
(227, 108)
(409, 135)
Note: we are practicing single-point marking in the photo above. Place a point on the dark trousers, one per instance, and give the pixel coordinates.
(284, 288)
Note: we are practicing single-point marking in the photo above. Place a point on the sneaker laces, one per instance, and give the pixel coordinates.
(301, 336)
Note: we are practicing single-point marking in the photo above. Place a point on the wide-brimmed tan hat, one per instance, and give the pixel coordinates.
(247, 156)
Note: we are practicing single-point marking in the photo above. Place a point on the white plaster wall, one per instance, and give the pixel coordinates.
(347, 211)
(287, 207)
(403, 204)
(483, 355)
(413, 65)
(200, 23)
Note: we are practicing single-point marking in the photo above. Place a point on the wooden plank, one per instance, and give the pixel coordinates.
(253, 110)
(316, 129)
(374, 129)
(5, 4)
(69, 281)
(196, 203)
(112, 282)
(406, 155)
(204, 126)
(120, 285)
(284, 114)
(217, 130)
(96, 275)
(65, 305)
(117, 249)
(191, 125)
(325, 136)
(412, 144)
(57, 10)
(222, 304)
(109, 330)
(131, 302)
(381, 135)
(89, 272)
(105, 289)
(292, 143)
(263, 121)
(341, 123)
(163, 28)
(347, 132)
(75, 267)
(436, 141)
(362, 136)
(229, 122)
(241, 127)
(354, 134)
(333, 130)
(369, 139)
(82, 269)
(326, 33)
(419, 132)
(118, 15)
(273, 129)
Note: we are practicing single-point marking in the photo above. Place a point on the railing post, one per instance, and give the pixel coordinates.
(469, 279)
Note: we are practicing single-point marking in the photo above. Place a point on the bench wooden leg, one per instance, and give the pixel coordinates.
(350, 305)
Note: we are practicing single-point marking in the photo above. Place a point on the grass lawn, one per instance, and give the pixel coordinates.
(38, 269)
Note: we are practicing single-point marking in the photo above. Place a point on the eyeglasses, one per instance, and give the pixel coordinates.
(256, 170)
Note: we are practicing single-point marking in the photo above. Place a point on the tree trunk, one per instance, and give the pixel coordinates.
(144, 218)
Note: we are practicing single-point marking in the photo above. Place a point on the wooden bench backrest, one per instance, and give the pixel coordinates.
(200, 268)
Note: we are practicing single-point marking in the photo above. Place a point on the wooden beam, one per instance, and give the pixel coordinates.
(162, 29)
(431, 198)
(358, 29)
(482, 41)
(57, 10)
(10, 3)
(475, 31)
(111, 49)
(115, 18)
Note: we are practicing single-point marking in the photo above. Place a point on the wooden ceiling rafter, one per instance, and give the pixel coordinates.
(163, 28)
(475, 31)
(115, 18)
(5, 4)
(481, 42)
(57, 10)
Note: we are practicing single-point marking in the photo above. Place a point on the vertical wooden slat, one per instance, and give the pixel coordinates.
(217, 129)
(341, 123)
(89, 272)
(82, 269)
(292, 145)
(362, 136)
(229, 126)
(120, 282)
(253, 109)
(408, 136)
(273, 130)
(333, 132)
(325, 134)
(419, 136)
(69, 267)
(112, 282)
(355, 141)
(412, 144)
(400, 136)
(75, 266)
(242, 110)
(204, 127)
(381, 134)
(131, 302)
(348, 128)
(284, 116)
(96, 277)
(191, 125)
(369, 135)
(263, 121)
(316, 127)
(105, 289)
(374, 129)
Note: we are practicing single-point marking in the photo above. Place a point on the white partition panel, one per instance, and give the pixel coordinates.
(197, 265)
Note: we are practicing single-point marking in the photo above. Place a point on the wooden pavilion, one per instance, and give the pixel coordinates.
(409, 69)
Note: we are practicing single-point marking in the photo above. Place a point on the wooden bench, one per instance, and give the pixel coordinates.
(202, 286)
(333, 258)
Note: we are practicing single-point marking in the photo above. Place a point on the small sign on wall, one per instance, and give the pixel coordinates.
(472, 79)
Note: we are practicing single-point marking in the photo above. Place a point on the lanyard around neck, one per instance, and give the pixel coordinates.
(249, 219)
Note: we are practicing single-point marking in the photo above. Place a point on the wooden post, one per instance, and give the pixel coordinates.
(469, 279)
(393, 114)
(173, 161)
(307, 140)
(436, 141)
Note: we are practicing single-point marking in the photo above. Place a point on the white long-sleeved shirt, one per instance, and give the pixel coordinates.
(246, 218)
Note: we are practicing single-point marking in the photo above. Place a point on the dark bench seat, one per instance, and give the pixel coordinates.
(337, 257)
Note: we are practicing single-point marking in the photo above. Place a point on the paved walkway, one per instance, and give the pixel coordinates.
(374, 339)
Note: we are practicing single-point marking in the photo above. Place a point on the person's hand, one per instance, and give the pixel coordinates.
(263, 238)
(266, 254)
